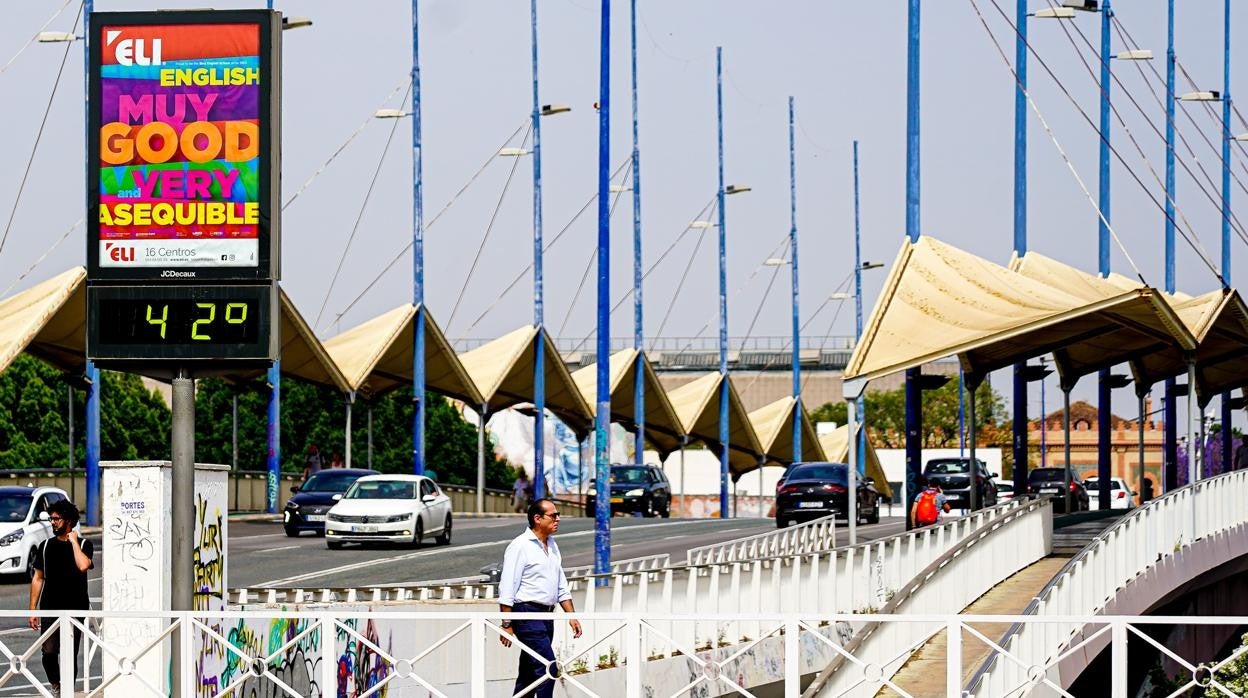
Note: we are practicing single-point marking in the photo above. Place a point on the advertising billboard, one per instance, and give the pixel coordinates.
(183, 141)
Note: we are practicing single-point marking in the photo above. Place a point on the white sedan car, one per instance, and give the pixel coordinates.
(24, 525)
(1120, 496)
(389, 508)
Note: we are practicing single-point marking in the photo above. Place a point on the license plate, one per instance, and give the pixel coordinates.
(1052, 490)
(364, 529)
(810, 505)
(617, 500)
(316, 517)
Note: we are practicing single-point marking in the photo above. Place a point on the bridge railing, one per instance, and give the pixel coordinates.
(362, 651)
(968, 570)
(815, 536)
(884, 565)
(1092, 579)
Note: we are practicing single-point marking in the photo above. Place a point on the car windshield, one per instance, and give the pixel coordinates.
(1005, 487)
(630, 476)
(13, 507)
(329, 481)
(382, 489)
(948, 467)
(831, 472)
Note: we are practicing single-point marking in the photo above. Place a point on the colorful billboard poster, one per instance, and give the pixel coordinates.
(183, 108)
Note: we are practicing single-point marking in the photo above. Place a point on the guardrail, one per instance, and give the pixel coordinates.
(813, 536)
(1157, 531)
(364, 652)
(983, 559)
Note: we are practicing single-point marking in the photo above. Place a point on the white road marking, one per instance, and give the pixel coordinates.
(425, 553)
(273, 550)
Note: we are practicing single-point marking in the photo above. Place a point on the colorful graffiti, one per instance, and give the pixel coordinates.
(209, 556)
(291, 654)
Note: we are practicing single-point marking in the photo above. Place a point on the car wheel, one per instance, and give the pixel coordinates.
(649, 512)
(419, 533)
(292, 532)
(333, 544)
(30, 564)
(444, 538)
(874, 516)
(666, 511)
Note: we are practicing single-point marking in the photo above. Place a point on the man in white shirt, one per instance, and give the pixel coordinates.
(533, 582)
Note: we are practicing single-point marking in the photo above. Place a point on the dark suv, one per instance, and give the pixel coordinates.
(952, 475)
(812, 490)
(1047, 482)
(306, 509)
(642, 489)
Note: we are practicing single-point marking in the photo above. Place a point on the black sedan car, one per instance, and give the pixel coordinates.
(953, 477)
(1048, 482)
(636, 489)
(811, 490)
(306, 509)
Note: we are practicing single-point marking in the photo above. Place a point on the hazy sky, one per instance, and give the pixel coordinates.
(844, 62)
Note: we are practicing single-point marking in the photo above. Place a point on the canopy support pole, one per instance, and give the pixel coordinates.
(973, 503)
(852, 390)
(1193, 472)
(1140, 429)
(1067, 468)
(483, 414)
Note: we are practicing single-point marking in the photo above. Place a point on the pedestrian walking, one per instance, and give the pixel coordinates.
(313, 463)
(1241, 454)
(59, 583)
(521, 492)
(533, 581)
(930, 505)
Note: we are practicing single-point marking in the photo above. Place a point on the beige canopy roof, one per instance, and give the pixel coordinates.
(503, 372)
(1219, 321)
(836, 446)
(48, 320)
(376, 357)
(302, 354)
(773, 424)
(663, 428)
(697, 405)
(1143, 329)
(939, 300)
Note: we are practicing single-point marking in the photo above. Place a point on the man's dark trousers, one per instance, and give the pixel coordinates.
(52, 649)
(536, 635)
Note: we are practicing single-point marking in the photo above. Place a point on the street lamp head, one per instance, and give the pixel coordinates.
(1054, 13)
(872, 265)
(840, 296)
(1082, 5)
(1141, 54)
(1242, 137)
(390, 114)
(295, 23)
(1203, 96)
(775, 262)
(549, 109)
(620, 189)
(55, 37)
(701, 224)
(736, 189)
(513, 152)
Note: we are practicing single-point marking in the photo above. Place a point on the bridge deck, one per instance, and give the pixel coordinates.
(923, 675)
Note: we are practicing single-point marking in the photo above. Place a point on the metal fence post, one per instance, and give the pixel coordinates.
(186, 664)
(1118, 659)
(632, 653)
(66, 656)
(792, 663)
(329, 656)
(953, 665)
(476, 677)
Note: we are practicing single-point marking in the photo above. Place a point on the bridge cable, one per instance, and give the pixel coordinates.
(359, 216)
(693, 256)
(38, 136)
(432, 221)
(42, 257)
(593, 255)
(35, 37)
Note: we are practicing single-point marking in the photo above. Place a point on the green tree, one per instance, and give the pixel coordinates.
(134, 421)
(886, 416)
(317, 415)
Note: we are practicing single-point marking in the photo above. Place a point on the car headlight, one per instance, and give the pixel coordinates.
(398, 518)
(13, 537)
(635, 493)
(292, 505)
(333, 517)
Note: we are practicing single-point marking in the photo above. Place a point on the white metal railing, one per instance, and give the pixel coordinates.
(365, 653)
(1143, 539)
(983, 559)
(813, 536)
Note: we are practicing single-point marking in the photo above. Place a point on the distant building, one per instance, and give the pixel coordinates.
(1124, 444)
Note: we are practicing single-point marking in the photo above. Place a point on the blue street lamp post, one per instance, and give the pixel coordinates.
(797, 366)
(1170, 445)
(418, 263)
(639, 374)
(539, 347)
(1227, 450)
(1104, 388)
(914, 394)
(1020, 236)
(602, 422)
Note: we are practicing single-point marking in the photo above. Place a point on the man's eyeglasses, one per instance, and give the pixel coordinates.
(55, 518)
(551, 514)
